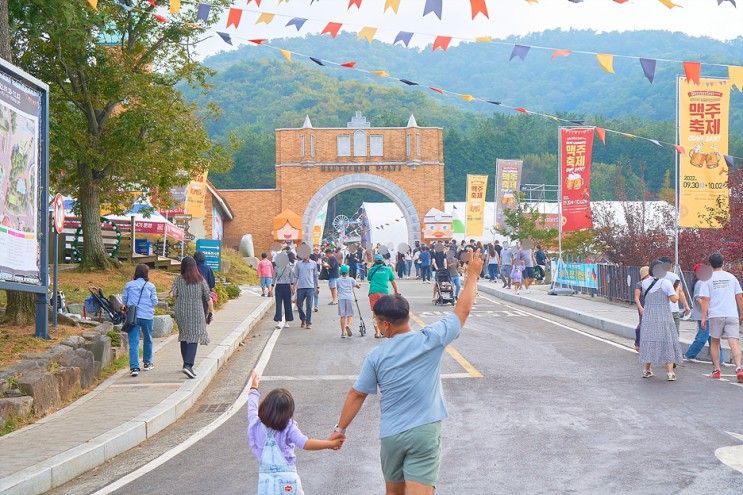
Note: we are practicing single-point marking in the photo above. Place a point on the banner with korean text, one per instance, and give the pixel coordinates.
(507, 185)
(703, 133)
(196, 196)
(477, 186)
(576, 146)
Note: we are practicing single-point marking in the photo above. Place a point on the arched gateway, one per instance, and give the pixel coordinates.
(406, 164)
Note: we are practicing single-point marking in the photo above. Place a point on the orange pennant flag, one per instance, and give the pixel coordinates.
(484, 39)
(606, 61)
(693, 71)
(233, 18)
(357, 3)
(332, 29)
(265, 18)
(735, 75)
(175, 6)
(441, 42)
(367, 33)
(679, 149)
(521, 109)
(561, 53)
(438, 90)
(669, 3)
(93, 3)
(286, 54)
(392, 4)
(479, 7)
(601, 133)
(380, 73)
(468, 97)
(349, 65)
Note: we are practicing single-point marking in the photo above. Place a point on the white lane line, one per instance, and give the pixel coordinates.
(241, 400)
(574, 330)
(309, 378)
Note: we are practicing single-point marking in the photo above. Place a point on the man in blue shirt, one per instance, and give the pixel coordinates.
(406, 369)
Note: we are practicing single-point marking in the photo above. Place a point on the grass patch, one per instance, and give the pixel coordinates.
(240, 273)
(10, 426)
(15, 340)
(115, 365)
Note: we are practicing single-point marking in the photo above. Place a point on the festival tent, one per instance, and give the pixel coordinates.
(386, 223)
(148, 221)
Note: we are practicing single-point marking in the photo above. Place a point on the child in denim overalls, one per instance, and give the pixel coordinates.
(273, 435)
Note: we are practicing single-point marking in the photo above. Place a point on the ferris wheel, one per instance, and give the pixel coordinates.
(340, 223)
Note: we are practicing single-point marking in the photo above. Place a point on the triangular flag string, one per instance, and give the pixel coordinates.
(606, 61)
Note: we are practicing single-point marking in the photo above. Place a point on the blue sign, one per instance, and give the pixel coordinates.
(577, 274)
(212, 249)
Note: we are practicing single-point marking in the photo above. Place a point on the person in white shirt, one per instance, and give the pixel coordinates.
(721, 299)
(675, 280)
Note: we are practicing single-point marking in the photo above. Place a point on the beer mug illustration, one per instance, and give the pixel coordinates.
(697, 158)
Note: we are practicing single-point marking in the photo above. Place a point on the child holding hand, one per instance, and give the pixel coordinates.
(516, 274)
(273, 435)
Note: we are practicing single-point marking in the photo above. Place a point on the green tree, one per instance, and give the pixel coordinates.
(524, 222)
(118, 125)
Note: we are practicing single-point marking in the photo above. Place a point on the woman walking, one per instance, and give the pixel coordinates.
(193, 310)
(400, 265)
(702, 336)
(140, 293)
(640, 303)
(284, 289)
(658, 338)
(492, 263)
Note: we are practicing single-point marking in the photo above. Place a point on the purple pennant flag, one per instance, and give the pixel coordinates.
(576, 1)
(409, 83)
(494, 102)
(317, 61)
(433, 6)
(403, 36)
(519, 51)
(225, 37)
(297, 22)
(203, 11)
(720, 2)
(729, 160)
(648, 67)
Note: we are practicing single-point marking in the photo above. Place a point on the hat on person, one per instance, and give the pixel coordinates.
(345, 269)
(378, 257)
(644, 272)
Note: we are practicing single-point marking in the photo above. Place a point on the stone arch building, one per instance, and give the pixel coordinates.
(314, 164)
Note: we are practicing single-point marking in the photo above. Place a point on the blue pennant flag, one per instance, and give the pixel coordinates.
(225, 37)
(519, 51)
(203, 11)
(433, 6)
(403, 36)
(297, 22)
(648, 67)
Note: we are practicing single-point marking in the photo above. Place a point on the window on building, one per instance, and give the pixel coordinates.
(376, 145)
(418, 144)
(359, 143)
(312, 146)
(344, 145)
(301, 146)
(407, 145)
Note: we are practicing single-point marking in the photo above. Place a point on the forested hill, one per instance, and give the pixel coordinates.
(259, 92)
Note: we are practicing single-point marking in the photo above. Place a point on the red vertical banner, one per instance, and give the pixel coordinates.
(576, 146)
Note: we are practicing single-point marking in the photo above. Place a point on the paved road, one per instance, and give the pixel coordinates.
(555, 411)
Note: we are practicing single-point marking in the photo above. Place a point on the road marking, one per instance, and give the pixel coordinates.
(241, 400)
(310, 378)
(468, 367)
(475, 314)
(575, 330)
(732, 456)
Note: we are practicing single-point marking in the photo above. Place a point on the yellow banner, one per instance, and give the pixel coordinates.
(477, 187)
(704, 110)
(196, 196)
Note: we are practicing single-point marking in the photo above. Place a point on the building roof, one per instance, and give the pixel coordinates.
(223, 204)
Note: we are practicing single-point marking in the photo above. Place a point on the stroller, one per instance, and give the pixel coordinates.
(444, 289)
(111, 306)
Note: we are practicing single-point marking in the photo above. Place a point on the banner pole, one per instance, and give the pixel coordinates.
(676, 182)
(559, 193)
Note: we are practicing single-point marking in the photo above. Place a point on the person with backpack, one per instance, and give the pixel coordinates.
(380, 277)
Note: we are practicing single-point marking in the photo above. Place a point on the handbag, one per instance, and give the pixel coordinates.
(324, 274)
(130, 322)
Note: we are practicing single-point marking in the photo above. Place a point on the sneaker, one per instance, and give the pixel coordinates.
(302, 325)
(148, 366)
(134, 372)
(316, 309)
(188, 371)
(348, 331)
(647, 374)
(278, 325)
(739, 375)
(715, 375)
(343, 334)
(671, 377)
(307, 325)
(287, 324)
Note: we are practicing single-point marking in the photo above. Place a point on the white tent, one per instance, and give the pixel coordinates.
(386, 223)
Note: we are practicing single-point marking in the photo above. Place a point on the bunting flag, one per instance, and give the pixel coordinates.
(479, 7)
(160, 18)
(225, 37)
(669, 3)
(648, 68)
(317, 61)
(437, 90)
(693, 71)
(441, 42)
(728, 158)
(468, 97)
(265, 18)
(202, 11)
(409, 83)
(521, 109)
(175, 6)
(720, 2)
(519, 51)
(332, 29)
(349, 65)
(286, 54)
(484, 39)
(367, 33)
(606, 61)
(432, 6)
(257, 2)
(297, 22)
(601, 133)
(403, 36)
(380, 73)
(494, 102)
(93, 4)
(258, 41)
(679, 149)
(735, 75)
(392, 4)
(655, 142)
(233, 18)
(351, 3)
(561, 53)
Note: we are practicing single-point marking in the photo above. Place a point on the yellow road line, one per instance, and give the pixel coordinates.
(468, 367)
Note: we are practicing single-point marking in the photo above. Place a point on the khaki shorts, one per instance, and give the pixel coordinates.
(413, 455)
(724, 328)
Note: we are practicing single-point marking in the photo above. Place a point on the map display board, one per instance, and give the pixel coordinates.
(20, 114)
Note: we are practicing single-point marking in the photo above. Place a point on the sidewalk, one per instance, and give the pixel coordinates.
(614, 317)
(123, 411)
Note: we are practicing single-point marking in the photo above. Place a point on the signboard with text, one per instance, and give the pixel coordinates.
(507, 185)
(477, 186)
(212, 249)
(577, 274)
(576, 146)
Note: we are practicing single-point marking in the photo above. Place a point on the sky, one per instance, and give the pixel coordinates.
(506, 18)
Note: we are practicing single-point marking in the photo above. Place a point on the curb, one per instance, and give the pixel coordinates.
(607, 325)
(66, 466)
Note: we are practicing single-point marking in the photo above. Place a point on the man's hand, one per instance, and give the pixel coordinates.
(255, 380)
(475, 264)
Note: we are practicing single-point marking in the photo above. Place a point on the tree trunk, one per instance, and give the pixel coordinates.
(94, 251)
(5, 51)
